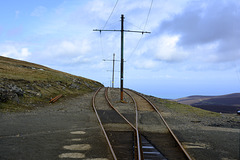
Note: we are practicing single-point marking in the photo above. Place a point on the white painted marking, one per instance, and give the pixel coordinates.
(148, 147)
(195, 145)
(78, 147)
(151, 153)
(76, 139)
(78, 132)
(72, 155)
(96, 159)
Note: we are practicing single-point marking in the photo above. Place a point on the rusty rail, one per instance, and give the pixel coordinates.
(139, 155)
(55, 98)
(100, 122)
(139, 146)
(106, 96)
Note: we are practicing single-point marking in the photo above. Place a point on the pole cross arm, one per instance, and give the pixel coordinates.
(136, 31)
(110, 60)
(100, 30)
(122, 44)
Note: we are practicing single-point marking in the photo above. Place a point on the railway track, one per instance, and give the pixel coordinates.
(135, 129)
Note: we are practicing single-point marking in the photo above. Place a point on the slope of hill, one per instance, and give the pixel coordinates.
(25, 85)
(226, 103)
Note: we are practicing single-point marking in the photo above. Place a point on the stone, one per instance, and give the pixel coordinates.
(74, 86)
(34, 93)
(17, 90)
(15, 98)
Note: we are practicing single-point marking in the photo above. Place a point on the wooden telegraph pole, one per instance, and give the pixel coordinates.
(122, 46)
(113, 68)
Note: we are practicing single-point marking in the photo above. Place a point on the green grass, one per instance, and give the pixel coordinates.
(186, 109)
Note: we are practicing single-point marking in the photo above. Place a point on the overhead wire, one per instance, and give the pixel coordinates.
(110, 14)
(148, 15)
(101, 43)
(135, 48)
(127, 22)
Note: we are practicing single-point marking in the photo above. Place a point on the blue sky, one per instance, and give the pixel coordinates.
(193, 48)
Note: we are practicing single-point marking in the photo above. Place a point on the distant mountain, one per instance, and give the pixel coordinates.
(229, 103)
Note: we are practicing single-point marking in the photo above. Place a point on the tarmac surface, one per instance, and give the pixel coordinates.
(64, 130)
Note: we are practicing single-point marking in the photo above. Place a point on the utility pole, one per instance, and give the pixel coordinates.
(122, 58)
(113, 68)
(122, 49)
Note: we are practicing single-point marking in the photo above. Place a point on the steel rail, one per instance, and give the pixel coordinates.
(106, 96)
(140, 156)
(100, 122)
(139, 148)
(169, 129)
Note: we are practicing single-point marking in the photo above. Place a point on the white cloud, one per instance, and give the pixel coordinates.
(166, 49)
(25, 52)
(144, 64)
(14, 51)
(211, 28)
(69, 47)
(97, 6)
(39, 11)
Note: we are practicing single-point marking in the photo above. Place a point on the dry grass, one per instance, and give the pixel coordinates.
(186, 109)
(16, 69)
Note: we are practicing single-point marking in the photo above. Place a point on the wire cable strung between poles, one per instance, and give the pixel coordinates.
(105, 26)
(148, 14)
(101, 43)
(110, 14)
(135, 48)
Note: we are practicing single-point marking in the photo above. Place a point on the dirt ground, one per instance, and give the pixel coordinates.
(205, 137)
(69, 129)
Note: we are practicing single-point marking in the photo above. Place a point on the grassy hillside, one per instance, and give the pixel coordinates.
(226, 103)
(24, 85)
(183, 109)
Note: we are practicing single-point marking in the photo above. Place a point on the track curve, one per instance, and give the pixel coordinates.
(179, 151)
(139, 124)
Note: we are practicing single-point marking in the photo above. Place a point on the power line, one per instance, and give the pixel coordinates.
(111, 14)
(135, 48)
(148, 14)
(133, 25)
(101, 43)
(106, 24)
